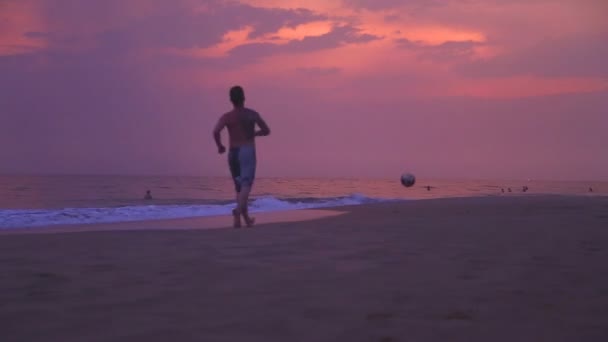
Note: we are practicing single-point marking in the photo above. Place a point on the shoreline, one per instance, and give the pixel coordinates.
(263, 217)
(185, 223)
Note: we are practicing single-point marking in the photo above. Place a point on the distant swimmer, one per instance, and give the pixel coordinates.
(428, 188)
(525, 188)
(509, 189)
(148, 195)
(503, 190)
(590, 189)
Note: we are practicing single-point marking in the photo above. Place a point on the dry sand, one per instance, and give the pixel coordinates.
(476, 269)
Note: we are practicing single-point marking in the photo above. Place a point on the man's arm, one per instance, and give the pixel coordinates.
(264, 129)
(221, 123)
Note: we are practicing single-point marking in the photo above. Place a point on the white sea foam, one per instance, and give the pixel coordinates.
(23, 218)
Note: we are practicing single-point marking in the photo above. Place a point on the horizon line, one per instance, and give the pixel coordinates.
(455, 179)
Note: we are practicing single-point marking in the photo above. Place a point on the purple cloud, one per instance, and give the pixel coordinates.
(176, 25)
(337, 37)
(575, 56)
(185, 29)
(449, 51)
(390, 4)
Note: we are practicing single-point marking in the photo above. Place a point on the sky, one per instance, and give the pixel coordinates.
(490, 89)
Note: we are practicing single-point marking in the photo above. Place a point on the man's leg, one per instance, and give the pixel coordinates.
(247, 161)
(236, 216)
(243, 205)
(235, 171)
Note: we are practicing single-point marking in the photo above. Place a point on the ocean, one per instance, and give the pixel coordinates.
(37, 201)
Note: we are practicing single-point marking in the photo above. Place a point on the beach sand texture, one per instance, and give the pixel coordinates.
(470, 269)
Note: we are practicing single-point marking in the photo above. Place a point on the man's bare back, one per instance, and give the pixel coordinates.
(240, 123)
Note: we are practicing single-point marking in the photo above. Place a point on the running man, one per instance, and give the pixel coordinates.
(241, 123)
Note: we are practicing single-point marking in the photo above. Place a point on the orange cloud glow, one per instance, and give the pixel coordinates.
(236, 38)
(312, 29)
(16, 20)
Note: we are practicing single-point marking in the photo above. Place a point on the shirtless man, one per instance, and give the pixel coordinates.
(241, 123)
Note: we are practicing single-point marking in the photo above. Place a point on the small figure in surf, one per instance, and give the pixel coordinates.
(148, 195)
(241, 124)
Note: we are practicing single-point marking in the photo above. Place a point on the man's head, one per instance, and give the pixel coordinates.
(237, 96)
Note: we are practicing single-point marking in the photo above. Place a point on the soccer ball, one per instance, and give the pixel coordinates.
(408, 179)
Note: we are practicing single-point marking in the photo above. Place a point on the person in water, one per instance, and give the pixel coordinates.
(148, 195)
(242, 161)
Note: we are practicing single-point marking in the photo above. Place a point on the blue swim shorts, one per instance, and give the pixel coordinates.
(242, 162)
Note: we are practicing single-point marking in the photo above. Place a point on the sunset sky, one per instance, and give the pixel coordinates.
(357, 88)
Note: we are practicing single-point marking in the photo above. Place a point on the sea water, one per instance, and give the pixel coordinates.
(35, 201)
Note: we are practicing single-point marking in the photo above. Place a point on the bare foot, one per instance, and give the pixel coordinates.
(237, 218)
(249, 221)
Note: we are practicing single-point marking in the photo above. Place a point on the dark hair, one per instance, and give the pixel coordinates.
(237, 96)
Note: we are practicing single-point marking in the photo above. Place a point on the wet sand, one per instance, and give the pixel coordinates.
(475, 269)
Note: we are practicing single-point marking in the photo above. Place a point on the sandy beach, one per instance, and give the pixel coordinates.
(472, 269)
